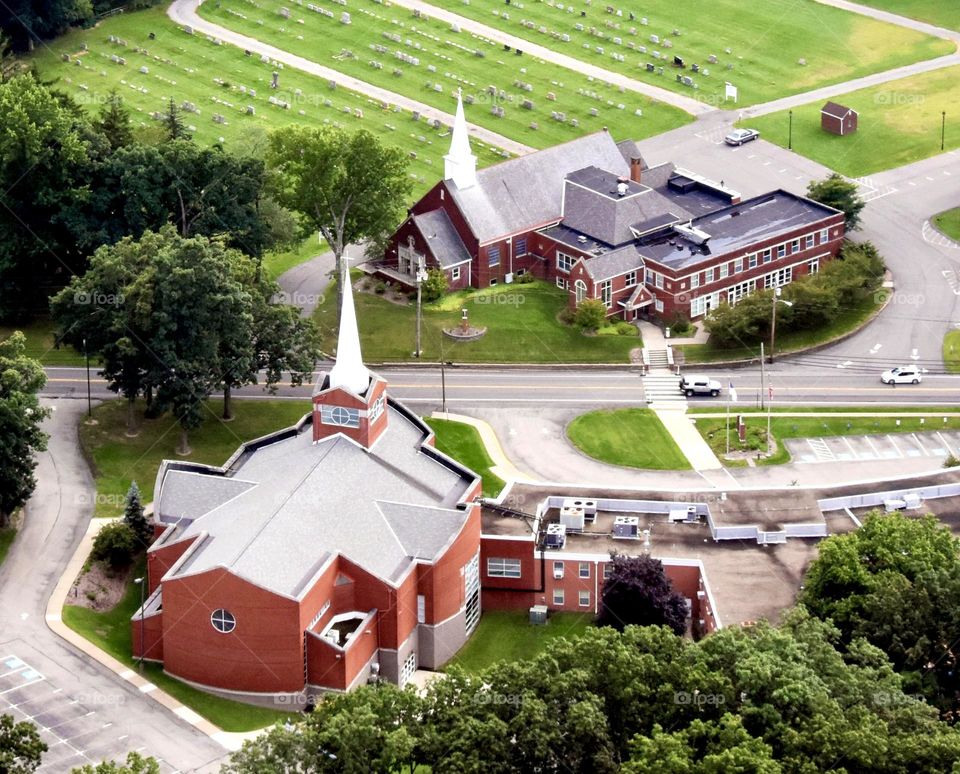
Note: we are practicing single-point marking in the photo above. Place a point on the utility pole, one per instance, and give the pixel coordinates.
(762, 393)
(86, 357)
(443, 377)
(790, 133)
(421, 276)
(943, 127)
(773, 320)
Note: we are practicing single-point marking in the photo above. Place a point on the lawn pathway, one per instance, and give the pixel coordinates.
(184, 12)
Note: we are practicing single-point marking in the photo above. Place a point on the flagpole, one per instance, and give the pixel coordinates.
(730, 382)
(769, 409)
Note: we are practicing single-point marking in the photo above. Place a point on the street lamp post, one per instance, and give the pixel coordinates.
(790, 132)
(773, 320)
(141, 580)
(943, 127)
(421, 276)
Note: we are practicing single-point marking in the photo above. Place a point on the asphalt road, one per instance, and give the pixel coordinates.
(116, 718)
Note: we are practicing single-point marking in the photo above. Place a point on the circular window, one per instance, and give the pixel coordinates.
(340, 415)
(223, 621)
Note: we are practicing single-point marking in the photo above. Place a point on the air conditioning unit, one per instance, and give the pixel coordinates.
(626, 527)
(572, 518)
(589, 506)
(538, 614)
(558, 574)
(508, 278)
(556, 536)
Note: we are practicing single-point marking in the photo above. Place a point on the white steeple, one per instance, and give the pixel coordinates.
(348, 371)
(460, 165)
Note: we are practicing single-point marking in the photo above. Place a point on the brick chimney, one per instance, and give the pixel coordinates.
(636, 164)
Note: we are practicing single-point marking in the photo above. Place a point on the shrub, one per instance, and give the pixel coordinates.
(681, 326)
(590, 314)
(625, 329)
(434, 286)
(115, 544)
(380, 288)
(566, 315)
(952, 461)
(525, 279)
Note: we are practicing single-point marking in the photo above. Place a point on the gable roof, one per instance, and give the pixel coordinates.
(444, 241)
(526, 192)
(836, 110)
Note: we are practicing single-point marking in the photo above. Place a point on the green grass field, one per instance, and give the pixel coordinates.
(951, 352)
(363, 50)
(41, 345)
(185, 66)
(813, 427)
(949, 223)
(118, 460)
(7, 534)
(899, 123)
(848, 320)
(462, 442)
(943, 13)
(632, 437)
(766, 41)
(521, 322)
(509, 636)
(110, 631)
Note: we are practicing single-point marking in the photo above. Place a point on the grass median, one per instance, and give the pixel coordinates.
(949, 223)
(462, 442)
(634, 438)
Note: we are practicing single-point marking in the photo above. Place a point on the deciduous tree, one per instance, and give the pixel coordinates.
(639, 592)
(21, 748)
(841, 194)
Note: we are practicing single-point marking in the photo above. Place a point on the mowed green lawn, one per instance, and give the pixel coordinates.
(766, 41)
(507, 635)
(951, 352)
(713, 430)
(900, 122)
(117, 460)
(361, 49)
(521, 323)
(632, 437)
(110, 631)
(949, 223)
(462, 442)
(41, 344)
(185, 66)
(943, 13)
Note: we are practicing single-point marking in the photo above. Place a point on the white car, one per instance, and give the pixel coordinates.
(699, 385)
(740, 136)
(902, 375)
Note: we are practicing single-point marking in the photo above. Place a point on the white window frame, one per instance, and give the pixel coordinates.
(658, 304)
(708, 276)
(223, 621)
(809, 241)
(605, 293)
(408, 668)
(504, 567)
(694, 281)
(376, 410)
(824, 235)
(737, 292)
(794, 246)
(658, 280)
(565, 262)
(607, 570)
(339, 416)
(631, 279)
(520, 247)
(752, 261)
(558, 597)
(724, 270)
(584, 570)
(580, 291)
(813, 266)
(455, 273)
(737, 266)
(560, 283)
(558, 569)
(767, 255)
(781, 251)
(649, 276)
(584, 598)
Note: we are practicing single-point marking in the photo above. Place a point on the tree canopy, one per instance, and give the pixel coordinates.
(838, 192)
(20, 746)
(639, 592)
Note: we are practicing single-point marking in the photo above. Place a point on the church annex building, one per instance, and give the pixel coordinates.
(590, 216)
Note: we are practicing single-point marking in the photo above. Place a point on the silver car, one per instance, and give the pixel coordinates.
(740, 136)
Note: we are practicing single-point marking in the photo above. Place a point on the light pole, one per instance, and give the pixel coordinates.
(141, 580)
(790, 132)
(943, 127)
(421, 276)
(773, 321)
(86, 357)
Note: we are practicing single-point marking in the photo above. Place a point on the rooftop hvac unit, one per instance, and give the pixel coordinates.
(589, 506)
(913, 500)
(626, 527)
(556, 536)
(538, 614)
(572, 519)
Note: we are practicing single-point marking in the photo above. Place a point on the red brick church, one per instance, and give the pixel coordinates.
(590, 216)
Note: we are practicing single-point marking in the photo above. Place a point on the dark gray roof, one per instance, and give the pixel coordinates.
(444, 241)
(836, 110)
(382, 508)
(630, 150)
(526, 192)
(593, 206)
(614, 262)
(735, 227)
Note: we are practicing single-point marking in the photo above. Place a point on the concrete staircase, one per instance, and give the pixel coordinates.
(658, 359)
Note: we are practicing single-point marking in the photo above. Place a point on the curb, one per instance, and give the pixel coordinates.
(502, 466)
(230, 741)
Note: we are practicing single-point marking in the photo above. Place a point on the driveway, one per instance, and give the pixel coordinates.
(45, 677)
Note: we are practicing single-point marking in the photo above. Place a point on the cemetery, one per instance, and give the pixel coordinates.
(768, 50)
(517, 95)
(224, 94)
(900, 122)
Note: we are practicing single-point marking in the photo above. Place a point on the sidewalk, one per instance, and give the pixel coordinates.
(688, 438)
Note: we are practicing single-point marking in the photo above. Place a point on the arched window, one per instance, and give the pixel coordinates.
(580, 287)
(223, 621)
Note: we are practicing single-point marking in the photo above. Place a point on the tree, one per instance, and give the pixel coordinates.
(639, 592)
(114, 122)
(134, 517)
(134, 764)
(841, 194)
(173, 123)
(347, 185)
(21, 416)
(435, 285)
(27, 22)
(590, 315)
(43, 163)
(20, 746)
(115, 543)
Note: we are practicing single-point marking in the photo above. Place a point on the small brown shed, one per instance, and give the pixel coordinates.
(838, 119)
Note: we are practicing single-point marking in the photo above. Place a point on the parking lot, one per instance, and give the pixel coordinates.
(74, 732)
(890, 446)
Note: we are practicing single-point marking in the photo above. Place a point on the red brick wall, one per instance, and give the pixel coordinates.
(323, 665)
(509, 549)
(152, 636)
(264, 653)
(160, 560)
(366, 434)
(442, 584)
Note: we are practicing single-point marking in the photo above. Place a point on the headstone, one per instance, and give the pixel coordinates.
(275, 80)
(594, 112)
(551, 96)
(65, 57)
(712, 59)
(345, 18)
(188, 30)
(454, 27)
(264, 58)
(284, 12)
(152, 36)
(802, 62)
(667, 43)
(145, 70)
(534, 125)
(527, 104)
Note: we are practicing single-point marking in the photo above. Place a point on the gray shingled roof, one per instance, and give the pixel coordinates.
(593, 207)
(526, 192)
(444, 241)
(306, 502)
(614, 262)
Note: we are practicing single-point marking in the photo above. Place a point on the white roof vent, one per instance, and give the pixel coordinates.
(622, 189)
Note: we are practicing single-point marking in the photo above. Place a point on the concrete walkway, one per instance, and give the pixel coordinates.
(502, 466)
(688, 438)
(184, 12)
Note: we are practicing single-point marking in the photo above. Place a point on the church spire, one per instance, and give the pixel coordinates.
(460, 165)
(349, 372)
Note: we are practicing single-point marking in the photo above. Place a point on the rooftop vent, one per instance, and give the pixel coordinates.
(582, 239)
(622, 189)
(556, 536)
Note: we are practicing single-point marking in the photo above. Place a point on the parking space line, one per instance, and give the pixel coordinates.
(870, 443)
(946, 443)
(846, 440)
(922, 447)
(895, 447)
